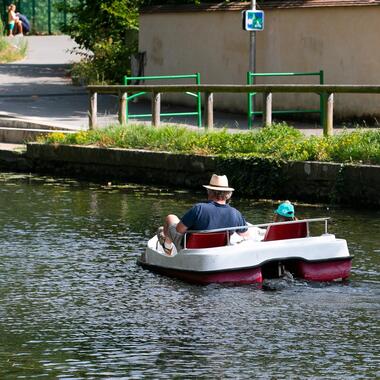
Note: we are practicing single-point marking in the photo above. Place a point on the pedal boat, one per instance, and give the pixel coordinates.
(212, 257)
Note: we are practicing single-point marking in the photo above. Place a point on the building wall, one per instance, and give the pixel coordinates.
(342, 41)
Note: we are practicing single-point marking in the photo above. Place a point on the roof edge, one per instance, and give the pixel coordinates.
(241, 6)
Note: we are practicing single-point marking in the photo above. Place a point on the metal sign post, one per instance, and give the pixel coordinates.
(252, 55)
(253, 21)
(252, 45)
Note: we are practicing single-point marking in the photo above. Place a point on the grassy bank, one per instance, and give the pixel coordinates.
(279, 142)
(12, 49)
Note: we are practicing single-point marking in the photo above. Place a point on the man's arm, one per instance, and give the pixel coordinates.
(244, 234)
(181, 228)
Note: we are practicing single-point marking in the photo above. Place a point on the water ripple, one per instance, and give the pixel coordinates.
(74, 304)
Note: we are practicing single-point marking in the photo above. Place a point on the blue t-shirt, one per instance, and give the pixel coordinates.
(211, 215)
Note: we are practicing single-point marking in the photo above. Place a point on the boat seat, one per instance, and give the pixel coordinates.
(286, 231)
(207, 240)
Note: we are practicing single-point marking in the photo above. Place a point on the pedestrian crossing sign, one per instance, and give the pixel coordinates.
(253, 20)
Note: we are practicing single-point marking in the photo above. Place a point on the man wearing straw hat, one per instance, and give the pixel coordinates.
(213, 214)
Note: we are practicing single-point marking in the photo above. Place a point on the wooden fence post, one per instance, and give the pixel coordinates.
(328, 124)
(92, 121)
(326, 93)
(267, 109)
(156, 108)
(122, 108)
(209, 110)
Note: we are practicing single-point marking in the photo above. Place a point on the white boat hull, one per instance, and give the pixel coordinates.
(321, 258)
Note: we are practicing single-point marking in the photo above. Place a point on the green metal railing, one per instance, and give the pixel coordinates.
(252, 112)
(197, 95)
(328, 92)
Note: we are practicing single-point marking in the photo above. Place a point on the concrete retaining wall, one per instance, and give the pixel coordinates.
(337, 183)
(308, 181)
(124, 164)
(19, 131)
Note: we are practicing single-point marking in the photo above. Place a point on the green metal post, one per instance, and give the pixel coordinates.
(322, 109)
(34, 28)
(251, 106)
(49, 16)
(249, 99)
(198, 112)
(150, 77)
(65, 14)
(125, 81)
(199, 100)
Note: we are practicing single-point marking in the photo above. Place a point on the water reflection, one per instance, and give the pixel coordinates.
(74, 304)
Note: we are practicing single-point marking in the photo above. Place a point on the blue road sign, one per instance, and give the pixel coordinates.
(253, 20)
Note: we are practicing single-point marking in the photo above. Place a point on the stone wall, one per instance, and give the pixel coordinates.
(253, 177)
(356, 185)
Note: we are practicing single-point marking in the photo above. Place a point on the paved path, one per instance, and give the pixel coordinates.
(50, 50)
(12, 147)
(38, 90)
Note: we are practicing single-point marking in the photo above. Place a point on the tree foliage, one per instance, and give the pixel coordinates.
(108, 28)
(94, 21)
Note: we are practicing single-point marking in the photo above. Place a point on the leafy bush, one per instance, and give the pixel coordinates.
(109, 30)
(279, 142)
(359, 146)
(107, 64)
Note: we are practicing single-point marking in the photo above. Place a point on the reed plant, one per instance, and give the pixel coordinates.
(11, 48)
(279, 142)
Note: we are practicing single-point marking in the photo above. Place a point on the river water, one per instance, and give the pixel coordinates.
(74, 304)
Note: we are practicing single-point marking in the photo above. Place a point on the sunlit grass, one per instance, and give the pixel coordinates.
(279, 142)
(12, 49)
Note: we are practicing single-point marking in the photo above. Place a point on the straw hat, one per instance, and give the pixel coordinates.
(219, 183)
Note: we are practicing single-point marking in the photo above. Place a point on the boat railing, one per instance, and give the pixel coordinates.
(262, 225)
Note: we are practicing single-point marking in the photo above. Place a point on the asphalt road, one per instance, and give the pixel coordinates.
(39, 89)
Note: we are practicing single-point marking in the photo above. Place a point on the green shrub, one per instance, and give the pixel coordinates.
(358, 146)
(107, 64)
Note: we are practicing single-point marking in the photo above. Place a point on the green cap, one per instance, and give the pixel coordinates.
(285, 209)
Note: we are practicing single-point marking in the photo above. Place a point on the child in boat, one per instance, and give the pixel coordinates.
(284, 212)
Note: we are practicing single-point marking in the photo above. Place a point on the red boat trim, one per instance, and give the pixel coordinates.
(236, 276)
(317, 270)
(323, 270)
